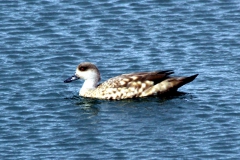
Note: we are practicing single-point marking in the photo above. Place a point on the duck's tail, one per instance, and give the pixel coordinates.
(179, 82)
(168, 85)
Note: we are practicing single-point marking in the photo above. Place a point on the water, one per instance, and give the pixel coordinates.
(43, 41)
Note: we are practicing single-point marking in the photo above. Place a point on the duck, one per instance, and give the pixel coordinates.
(125, 86)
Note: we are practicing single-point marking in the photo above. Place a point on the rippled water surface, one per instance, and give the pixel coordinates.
(43, 41)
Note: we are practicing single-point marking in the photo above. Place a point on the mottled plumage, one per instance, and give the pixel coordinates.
(124, 86)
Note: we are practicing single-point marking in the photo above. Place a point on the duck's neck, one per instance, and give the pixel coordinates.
(89, 84)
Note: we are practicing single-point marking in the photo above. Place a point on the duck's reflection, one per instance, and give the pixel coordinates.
(88, 105)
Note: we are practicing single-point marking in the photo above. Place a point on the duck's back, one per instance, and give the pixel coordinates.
(129, 85)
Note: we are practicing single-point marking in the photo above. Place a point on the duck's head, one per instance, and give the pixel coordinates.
(85, 71)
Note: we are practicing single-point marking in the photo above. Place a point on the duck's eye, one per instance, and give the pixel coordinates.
(82, 68)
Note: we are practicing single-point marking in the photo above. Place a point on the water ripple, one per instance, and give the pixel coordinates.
(43, 41)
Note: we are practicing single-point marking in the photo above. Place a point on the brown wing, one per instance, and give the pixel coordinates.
(125, 80)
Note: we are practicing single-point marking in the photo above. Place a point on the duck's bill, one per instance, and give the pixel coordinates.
(70, 79)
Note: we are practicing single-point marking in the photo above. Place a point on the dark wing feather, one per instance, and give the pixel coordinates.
(156, 77)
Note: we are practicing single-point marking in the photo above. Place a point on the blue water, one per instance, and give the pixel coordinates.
(42, 42)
